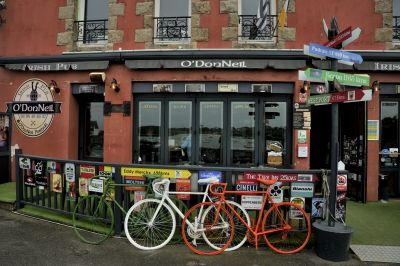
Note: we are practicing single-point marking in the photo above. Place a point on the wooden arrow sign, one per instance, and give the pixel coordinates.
(358, 95)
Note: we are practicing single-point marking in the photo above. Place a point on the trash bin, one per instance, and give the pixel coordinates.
(332, 242)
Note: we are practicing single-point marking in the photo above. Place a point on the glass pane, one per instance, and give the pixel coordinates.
(243, 133)
(96, 9)
(174, 8)
(250, 7)
(390, 121)
(210, 137)
(275, 132)
(149, 132)
(179, 132)
(95, 138)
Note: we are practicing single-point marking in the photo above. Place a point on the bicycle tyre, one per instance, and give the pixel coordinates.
(141, 233)
(93, 219)
(241, 231)
(293, 224)
(199, 241)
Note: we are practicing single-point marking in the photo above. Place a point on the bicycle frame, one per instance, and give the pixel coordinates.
(266, 199)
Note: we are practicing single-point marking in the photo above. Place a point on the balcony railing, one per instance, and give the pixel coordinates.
(171, 28)
(396, 28)
(91, 31)
(249, 30)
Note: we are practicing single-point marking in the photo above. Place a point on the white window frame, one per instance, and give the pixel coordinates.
(157, 14)
(395, 41)
(273, 12)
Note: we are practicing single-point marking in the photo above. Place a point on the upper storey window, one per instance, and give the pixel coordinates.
(257, 20)
(172, 21)
(91, 25)
(396, 20)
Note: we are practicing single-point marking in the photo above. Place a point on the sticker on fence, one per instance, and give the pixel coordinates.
(318, 206)
(305, 190)
(69, 171)
(276, 192)
(96, 185)
(182, 185)
(24, 163)
(138, 196)
(56, 182)
(246, 185)
(340, 205)
(294, 213)
(342, 183)
(106, 171)
(252, 202)
(139, 181)
(83, 186)
(87, 171)
(210, 174)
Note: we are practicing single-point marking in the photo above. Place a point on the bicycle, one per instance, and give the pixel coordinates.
(150, 223)
(93, 216)
(285, 226)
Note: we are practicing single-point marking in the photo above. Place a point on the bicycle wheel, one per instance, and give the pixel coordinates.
(289, 227)
(240, 233)
(93, 219)
(207, 231)
(149, 224)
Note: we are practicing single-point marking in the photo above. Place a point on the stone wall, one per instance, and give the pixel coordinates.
(385, 34)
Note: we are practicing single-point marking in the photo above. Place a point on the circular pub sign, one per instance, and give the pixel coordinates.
(33, 107)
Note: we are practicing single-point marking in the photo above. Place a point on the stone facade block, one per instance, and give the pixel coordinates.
(200, 34)
(383, 6)
(202, 7)
(229, 33)
(387, 20)
(69, 25)
(148, 21)
(66, 12)
(112, 23)
(195, 21)
(230, 6)
(287, 34)
(145, 8)
(143, 35)
(115, 36)
(383, 35)
(64, 38)
(116, 9)
(233, 20)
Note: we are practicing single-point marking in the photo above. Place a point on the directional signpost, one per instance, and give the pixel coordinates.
(344, 35)
(322, 52)
(340, 97)
(318, 75)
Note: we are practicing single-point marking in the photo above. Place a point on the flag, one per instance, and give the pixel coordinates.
(262, 14)
(282, 14)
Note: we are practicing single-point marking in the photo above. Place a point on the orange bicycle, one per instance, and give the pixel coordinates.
(285, 226)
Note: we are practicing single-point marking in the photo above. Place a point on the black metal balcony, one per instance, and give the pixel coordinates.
(171, 28)
(396, 28)
(91, 31)
(249, 30)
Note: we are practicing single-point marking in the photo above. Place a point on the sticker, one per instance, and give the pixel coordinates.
(135, 180)
(281, 177)
(252, 202)
(69, 170)
(29, 178)
(51, 166)
(106, 171)
(340, 212)
(83, 186)
(96, 185)
(318, 207)
(246, 185)
(341, 183)
(37, 167)
(56, 182)
(294, 213)
(87, 171)
(210, 174)
(71, 190)
(276, 192)
(138, 196)
(182, 185)
(305, 190)
(24, 163)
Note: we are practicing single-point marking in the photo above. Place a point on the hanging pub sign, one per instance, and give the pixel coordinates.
(33, 107)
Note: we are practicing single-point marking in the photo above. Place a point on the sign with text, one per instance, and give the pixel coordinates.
(164, 173)
(305, 190)
(182, 185)
(139, 181)
(246, 185)
(281, 177)
(320, 51)
(358, 95)
(252, 202)
(318, 75)
(342, 36)
(341, 183)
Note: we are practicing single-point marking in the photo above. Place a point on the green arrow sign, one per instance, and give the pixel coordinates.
(342, 78)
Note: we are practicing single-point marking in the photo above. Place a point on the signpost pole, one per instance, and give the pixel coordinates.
(334, 154)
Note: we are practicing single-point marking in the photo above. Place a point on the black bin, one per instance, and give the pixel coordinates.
(332, 242)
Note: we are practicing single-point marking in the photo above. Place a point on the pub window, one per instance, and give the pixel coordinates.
(172, 21)
(251, 29)
(91, 26)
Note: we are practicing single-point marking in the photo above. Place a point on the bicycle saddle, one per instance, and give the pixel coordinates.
(209, 180)
(267, 182)
(159, 186)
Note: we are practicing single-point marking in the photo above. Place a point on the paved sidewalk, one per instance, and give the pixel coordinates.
(28, 241)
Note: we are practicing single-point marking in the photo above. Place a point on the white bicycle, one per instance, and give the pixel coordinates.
(150, 223)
